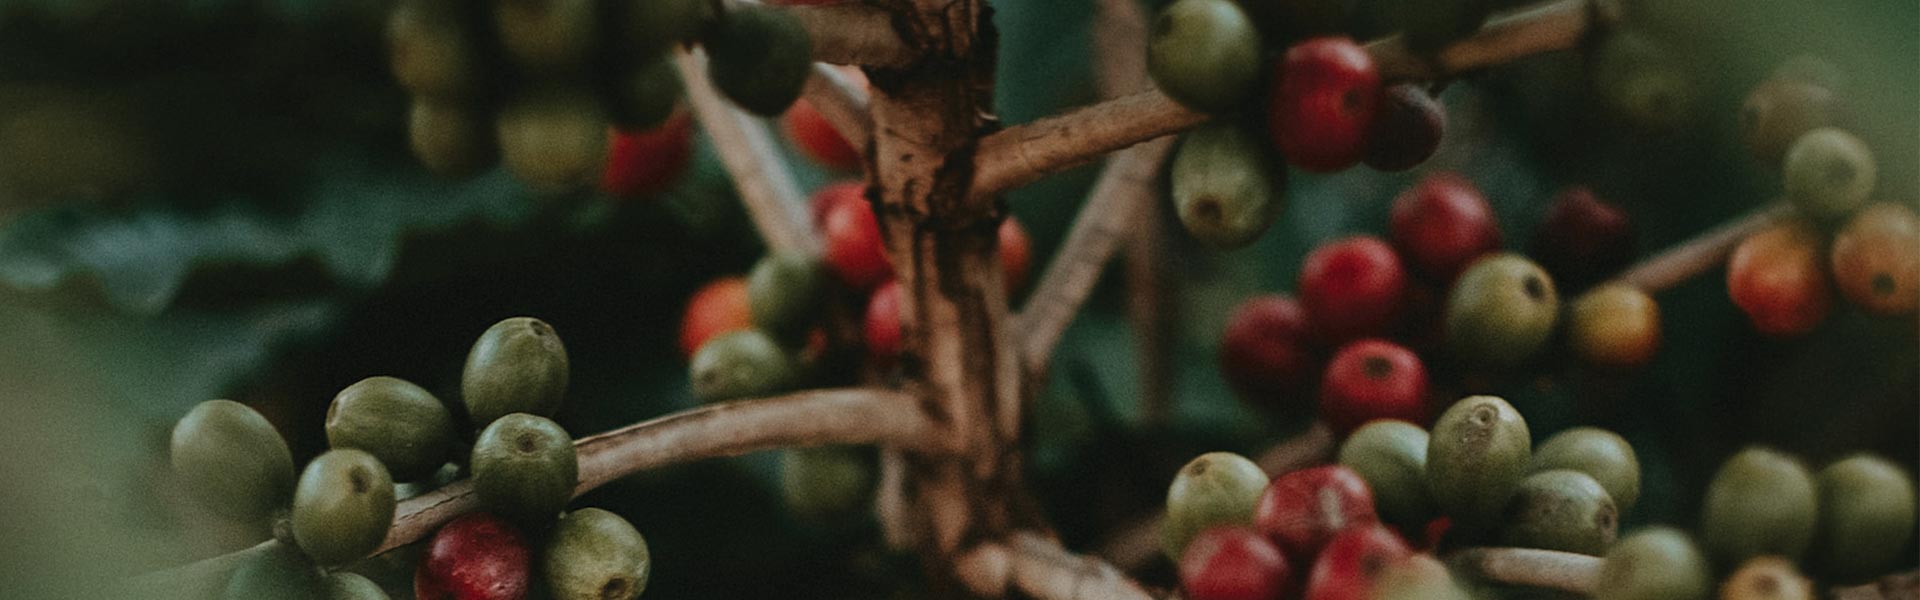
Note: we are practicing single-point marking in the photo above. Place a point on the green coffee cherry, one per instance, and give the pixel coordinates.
(1418, 577)
(1392, 457)
(1760, 502)
(343, 507)
(280, 573)
(596, 555)
(760, 57)
(1659, 563)
(342, 585)
(547, 35)
(656, 25)
(1599, 453)
(1640, 80)
(786, 294)
(740, 364)
(647, 94)
(1222, 189)
(432, 53)
(1500, 312)
(1217, 488)
(231, 460)
(825, 482)
(525, 467)
(553, 137)
(518, 365)
(1204, 54)
(450, 139)
(404, 426)
(1560, 510)
(1866, 518)
(1829, 173)
(1767, 578)
(1476, 455)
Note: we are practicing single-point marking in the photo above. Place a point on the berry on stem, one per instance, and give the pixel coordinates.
(1326, 93)
(1204, 54)
(1583, 238)
(1779, 111)
(759, 58)
(450, 139)
(1759, 502)
(230, 459)
(1354, 562)
(718, 307)
(477, 556)
(517, 365)
(1443, 224)
(1303, 510)
(787, 294)
(1778, 278)
(1829, 173)
(645, 162)
(1373, 379)
(1477, 454)
(1563, 510)
(1392, 457)
(1268, 355)
(400, 423)
(1233, 562)
(817, 139)
(1876, 259)
(342, 507)
(882, 329)
(593, 554)
(854, 249)
(1614, 326)
(1601, 454)
(554, 138)
(525, 468)
(740, 364)
(1407, 129)
(1866, 518)
(1353, 287)
(1217, 488)
(1500, 312)
(1222, 189)
(1659, 563)
(1767, 578)
(1016, 253)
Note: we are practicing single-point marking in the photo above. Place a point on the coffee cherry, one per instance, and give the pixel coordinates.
(821, 483)
(817, 139)
(1443, 224)
(1353, 287)
(1221, 188)
(1866, 518)
(342, 585)
(1599, 453)
(1232, 562)
(517, 365)
(1204, 54)
(1407, 129)
(882, 325)
(1779, 111)
(477, 556)
(759, 58)
(449, 139)
(1614, 326)
(645, 95)
(1418, 577)
(1354, 562)
(1428, 25)
(641, 163)
(1767, 578)
(1217, 488)
(718, 307)
(1639, 79)
(553, 138)
(525, 468)
(1267, 354)
(595, 555)
(1477, 454)
(655, 26)
(854, 250)
(280, 573)
(431, 51)
(1301, 511)
(786, 294)
(1658, 563)
(546, 35)
(1500, 312)
(1373, 379)
(1876, 259)
(1016, 253)
(1760, 502)
(231, 460)
(1325, 95)
(1776, 276)
(342, 507)
(829, 196)
(1583, 238)
(740, 364)
(1560, 510)
(404, 426)
(1829, 173)
(1392, 457)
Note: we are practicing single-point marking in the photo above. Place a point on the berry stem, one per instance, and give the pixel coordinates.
(1702, 253)
(747, 149)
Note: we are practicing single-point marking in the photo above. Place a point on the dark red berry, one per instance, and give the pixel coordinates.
(1016, 254)
(645, 162)
(1354, 287)
(1267, 353)
(1407, 129)
(831, 195)
(883, 322)
(1234, 563)
(1583, 239)
(1777, 276)
(817, 139)
(855, 251)
(1351, 565)
(1324, 100)
(718, 307)
(1442, 224)
(476, 557)
(1373, 379)
(1303, 510)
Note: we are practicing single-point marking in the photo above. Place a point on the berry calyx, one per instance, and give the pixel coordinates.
(1326, 93)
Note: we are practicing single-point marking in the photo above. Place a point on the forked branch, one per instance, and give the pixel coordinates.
(747, 149)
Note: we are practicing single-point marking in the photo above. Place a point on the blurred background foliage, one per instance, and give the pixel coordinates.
(213, 198)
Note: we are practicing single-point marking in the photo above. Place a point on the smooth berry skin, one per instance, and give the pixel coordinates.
(718, 307)
(1302, 511)
(1016, 254)
(1373, 379)
(1351, 564)
(1268, 353)
(1583, 238)
(647, 162)
(817, 139)
(1778, 278)
(1442, 224)
(476, 557)
(1234, 563)
(1876, 259)
(882, 329)
(1325, 96)
(832, 195)
(855, 252)
(1407, 129)
(1354, 287)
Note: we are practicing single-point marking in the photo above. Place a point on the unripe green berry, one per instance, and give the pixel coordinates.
(1767, 578)
(547, 35)
(449, 139)
(1659, 563)
(1217, 488)
(1476, 455)
(1204, 54)
(1829, 173)
(740, 364)
(553, 138)
(826, 482)
(279, 573)
(596, 555)
(517, 365)
(343, 507)
(342, 585)
(1760, 502)
(760, 58)
(525, 468)
(1560, 510)
(1223, 191)
(1500, 312)
(1418, 577)
(432, 52)
(404, 426)
(1866, 518)
(786, 294)
(1392, 457)
(231, 460)
(1599, 453)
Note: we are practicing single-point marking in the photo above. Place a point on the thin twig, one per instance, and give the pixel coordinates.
(854, 33)
(1542, 28)
(843, 102)
(1702, 253)
(747, 149)
(1119, 35)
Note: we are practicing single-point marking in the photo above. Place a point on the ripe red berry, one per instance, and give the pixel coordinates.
(1354, 287)
(1442, 224)
(1351, 564)
(1876, 259)
(883, 322)
(476, 557)
(1778, 278)
(855, 251)
(1305, 509)
(1324, 100)
(831, 195)
(817, 139)
(1267, 354)
(1016, 254)
(1406, 130)
(1583, 239)
(645, 162)
(718, 307)
(1234, 563)
(1373, 379)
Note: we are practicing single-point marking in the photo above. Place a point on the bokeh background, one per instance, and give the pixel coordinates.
(213, 199)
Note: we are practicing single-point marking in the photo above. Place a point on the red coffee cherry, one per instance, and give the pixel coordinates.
(855, 251)
(832, 194)
(1779, 279)
(718, 307)
(816, 138)
(476, 557)
(1407, 129)
(646, 162)
(1442, 224)
(883, 322)
(1302, 511)
(1016, 254)
(1351, 565)
(1583, 239)
(1267, 353)
(1876, 259)
(1325, 95)
(1354, 287)
(1234, 563)
(1373, 379)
